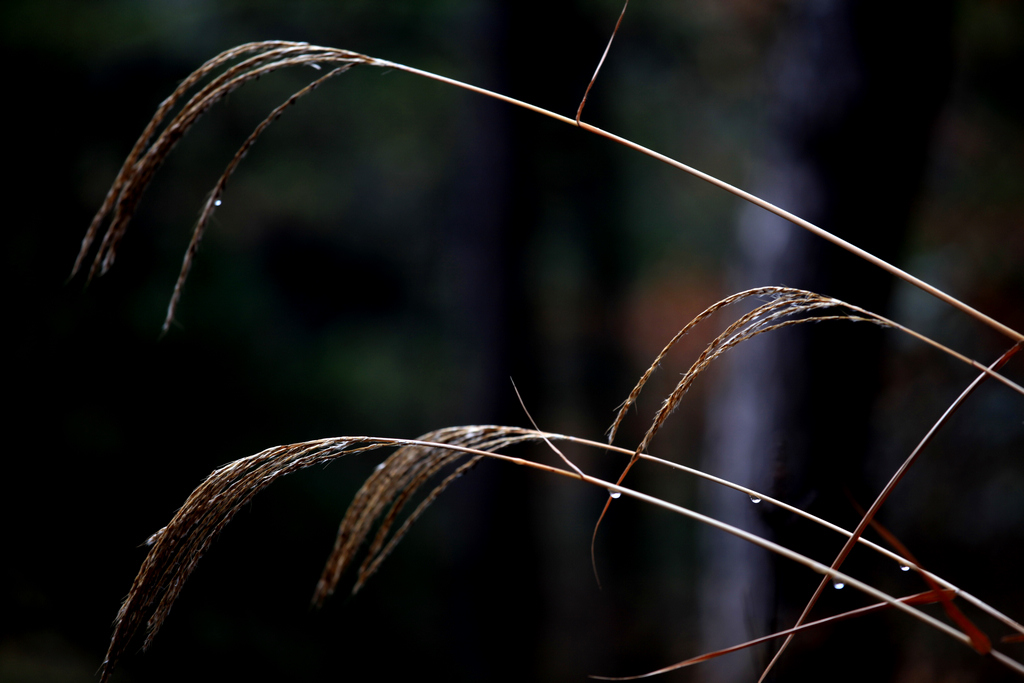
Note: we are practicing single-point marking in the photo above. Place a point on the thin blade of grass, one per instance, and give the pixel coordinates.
(814, 229)
(552, 446)
(979, 641)
(742, 194)
(925, 598)
(600, 63)
(753, 493)
(896, 478)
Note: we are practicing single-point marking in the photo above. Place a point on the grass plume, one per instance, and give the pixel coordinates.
(785, 307)
(176, 549)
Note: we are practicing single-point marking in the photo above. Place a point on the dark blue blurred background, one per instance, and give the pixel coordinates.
(393, 250)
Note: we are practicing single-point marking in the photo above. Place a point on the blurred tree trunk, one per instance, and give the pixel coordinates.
(526, 185)
(855, 88)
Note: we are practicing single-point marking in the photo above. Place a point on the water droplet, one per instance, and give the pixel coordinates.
(216, 202)
(904, 568)
(838, 585)
(754, 499)
(614, 494)
(379, 467)
(315, 65)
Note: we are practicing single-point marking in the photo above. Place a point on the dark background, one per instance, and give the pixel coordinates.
(393, 250)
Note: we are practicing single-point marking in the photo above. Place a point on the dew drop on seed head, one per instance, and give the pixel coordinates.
(838, 585)
(904, 568)
(754, 499)
(379, 467)
(216, 202)
(614, 494)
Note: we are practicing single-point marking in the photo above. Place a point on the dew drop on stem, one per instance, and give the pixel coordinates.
(614, 494)
(216, 202)
(754, 499)
(904, 568)
(838, 585)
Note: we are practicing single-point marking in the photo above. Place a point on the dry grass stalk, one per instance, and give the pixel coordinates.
(829, 572)
(813, 229)
(136, 173)
(868, 517)
(902, 560)
(775, 314)
(925, 598)
(600, 63)
(786, 307)
(979, 641)
(178, 547)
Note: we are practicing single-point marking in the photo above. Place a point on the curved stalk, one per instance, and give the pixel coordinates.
(732, 189)
(895, 557)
